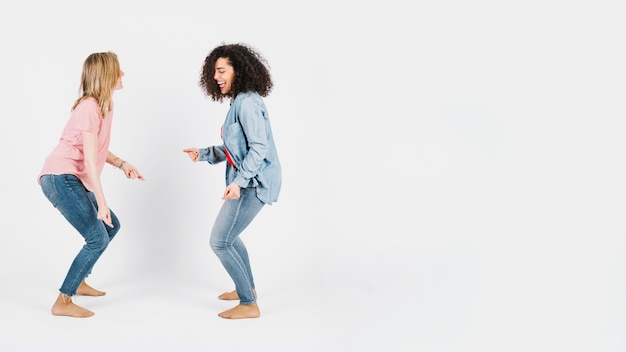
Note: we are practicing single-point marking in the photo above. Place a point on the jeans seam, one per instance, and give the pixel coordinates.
(231, 250)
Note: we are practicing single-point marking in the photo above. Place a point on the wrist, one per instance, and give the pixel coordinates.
(122, 164)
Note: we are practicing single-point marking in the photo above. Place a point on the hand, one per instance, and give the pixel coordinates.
(232, 191)
(131, 171)
(193, 153)
(104, 214)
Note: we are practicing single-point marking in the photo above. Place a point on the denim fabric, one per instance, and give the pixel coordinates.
(68, 194)
(234, 216)
(248, 137)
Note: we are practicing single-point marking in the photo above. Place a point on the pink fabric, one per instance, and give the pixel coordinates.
(67, 156)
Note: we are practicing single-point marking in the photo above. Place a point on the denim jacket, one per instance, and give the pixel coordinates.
(248, 138)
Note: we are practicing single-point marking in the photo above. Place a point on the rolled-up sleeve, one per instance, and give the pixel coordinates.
(212, 155)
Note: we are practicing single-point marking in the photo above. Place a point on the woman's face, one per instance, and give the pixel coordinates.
(224, 74)
(119, 84)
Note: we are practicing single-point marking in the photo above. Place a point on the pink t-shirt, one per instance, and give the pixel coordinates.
(67, 157)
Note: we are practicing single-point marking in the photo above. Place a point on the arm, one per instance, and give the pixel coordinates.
(212, 155)
(254, 126)
(90, 145)
(129, 170)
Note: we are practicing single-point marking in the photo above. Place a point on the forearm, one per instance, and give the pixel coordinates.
(90, 141)
(114, 160)
(94, 179)
(212, 155)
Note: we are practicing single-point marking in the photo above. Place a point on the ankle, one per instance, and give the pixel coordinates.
(65, 299)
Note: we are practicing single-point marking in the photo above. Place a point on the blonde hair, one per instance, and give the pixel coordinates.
(101, 72)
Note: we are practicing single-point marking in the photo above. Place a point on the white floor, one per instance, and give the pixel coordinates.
(379, 300)
(446, 274)
(164, 313)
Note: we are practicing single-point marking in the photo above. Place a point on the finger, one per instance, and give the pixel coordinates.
(107, 221)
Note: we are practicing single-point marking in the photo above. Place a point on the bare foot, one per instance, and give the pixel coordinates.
(231, 296)
(86, 290)
(242, 311)
(65, 307)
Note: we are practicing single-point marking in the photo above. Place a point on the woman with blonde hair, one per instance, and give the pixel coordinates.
(70, 177)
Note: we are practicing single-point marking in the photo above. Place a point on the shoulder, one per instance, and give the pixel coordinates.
(87, 109)
(248, 99)
(90, 101)
(87, 104)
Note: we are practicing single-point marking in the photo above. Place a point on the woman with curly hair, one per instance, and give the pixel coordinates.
(253, 171)
(70, 177)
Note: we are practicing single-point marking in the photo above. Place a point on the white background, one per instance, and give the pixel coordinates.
(453, 176)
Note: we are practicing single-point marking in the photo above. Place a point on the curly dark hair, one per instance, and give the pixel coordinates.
(251, 71)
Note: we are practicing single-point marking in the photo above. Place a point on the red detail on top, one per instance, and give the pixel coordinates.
(230, 160)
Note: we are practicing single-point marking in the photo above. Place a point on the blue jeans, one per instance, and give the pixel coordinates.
(234, 216)
(68, 194)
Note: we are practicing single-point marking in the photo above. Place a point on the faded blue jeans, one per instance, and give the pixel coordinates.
(68, 194)
(234, 216)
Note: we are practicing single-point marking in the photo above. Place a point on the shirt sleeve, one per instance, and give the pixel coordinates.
(86, 116)
(212, 155)
(255, 129)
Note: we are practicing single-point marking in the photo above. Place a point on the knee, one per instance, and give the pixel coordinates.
(217, 244)
(98, 244)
